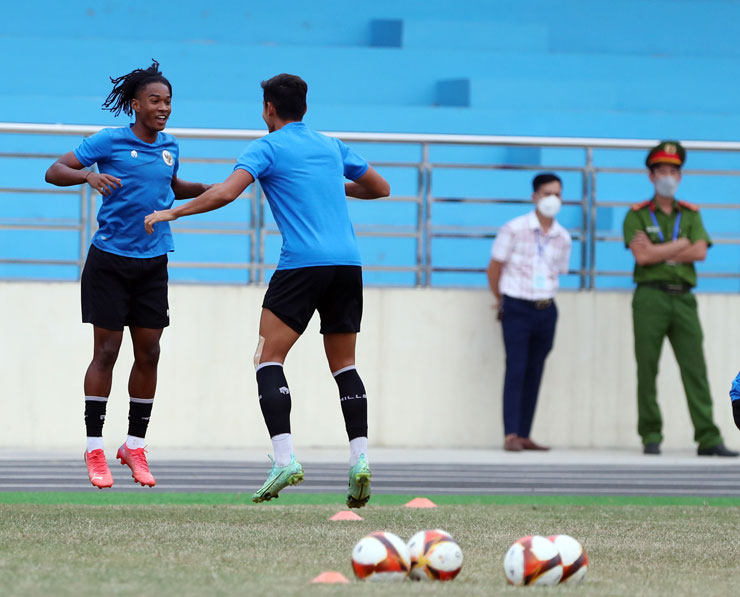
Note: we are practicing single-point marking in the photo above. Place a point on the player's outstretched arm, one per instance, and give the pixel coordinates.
(370, 185)
(217, 196)
(185, 189)
(68, 171)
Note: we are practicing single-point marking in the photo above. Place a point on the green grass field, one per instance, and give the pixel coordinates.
(216, 544)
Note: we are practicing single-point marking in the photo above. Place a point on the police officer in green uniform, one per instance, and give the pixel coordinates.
(666, 237)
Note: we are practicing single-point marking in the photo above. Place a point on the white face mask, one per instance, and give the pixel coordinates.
(666, 186)
(549, 206)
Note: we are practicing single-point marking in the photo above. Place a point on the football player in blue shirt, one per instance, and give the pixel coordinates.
(303, 176)
(735, 398)
(124, 281)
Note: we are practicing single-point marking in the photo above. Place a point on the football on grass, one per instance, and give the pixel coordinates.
(435, 555)
(572, 556)
(533, 560)
(381, 556)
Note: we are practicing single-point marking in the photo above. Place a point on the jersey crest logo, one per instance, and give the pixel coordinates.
(134, 153)
(167, 157)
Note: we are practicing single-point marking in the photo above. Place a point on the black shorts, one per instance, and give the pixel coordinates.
(119, 291)
(334, 290)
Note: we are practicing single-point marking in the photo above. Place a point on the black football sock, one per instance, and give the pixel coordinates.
(95, 415)
(353, 399)
(274, 398)
(139, 412)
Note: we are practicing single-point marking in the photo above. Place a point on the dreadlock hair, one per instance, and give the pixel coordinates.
(125, 88)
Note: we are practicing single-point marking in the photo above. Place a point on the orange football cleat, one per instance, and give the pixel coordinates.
(97, 469)
(136, 461)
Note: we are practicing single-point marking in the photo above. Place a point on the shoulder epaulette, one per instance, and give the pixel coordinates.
(639, 206)
(687, 205)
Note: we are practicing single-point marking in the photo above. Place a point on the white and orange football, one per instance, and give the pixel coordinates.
(381, 556)
(572, 556)
(533, 560)
(435, 555)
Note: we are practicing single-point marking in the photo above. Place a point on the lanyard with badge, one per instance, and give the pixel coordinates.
(660, 231)
(539, 279)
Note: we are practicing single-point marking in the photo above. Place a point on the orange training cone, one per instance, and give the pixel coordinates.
(330, 577)
(346, 515)
(420, 503)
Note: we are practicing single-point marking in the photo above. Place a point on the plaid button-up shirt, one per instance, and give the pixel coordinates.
(524, 249)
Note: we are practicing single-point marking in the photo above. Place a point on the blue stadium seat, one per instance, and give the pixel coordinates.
(657, 69)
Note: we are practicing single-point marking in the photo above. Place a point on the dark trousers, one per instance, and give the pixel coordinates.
(528, 337)
(655, 315)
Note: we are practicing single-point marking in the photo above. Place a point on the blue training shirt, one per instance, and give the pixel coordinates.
(302, 173)
(735, 389)
(146, 171)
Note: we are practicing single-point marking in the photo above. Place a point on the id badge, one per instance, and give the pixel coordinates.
(539, 281)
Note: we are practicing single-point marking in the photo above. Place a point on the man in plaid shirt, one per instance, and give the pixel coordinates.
(527, 256)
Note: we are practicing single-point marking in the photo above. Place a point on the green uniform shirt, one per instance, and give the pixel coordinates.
(691, 227)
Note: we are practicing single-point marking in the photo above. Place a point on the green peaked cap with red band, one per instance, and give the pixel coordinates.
(666, 152)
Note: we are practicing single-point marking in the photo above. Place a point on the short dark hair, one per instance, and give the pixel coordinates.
(544, 178)
(288, 94)
(127, 86)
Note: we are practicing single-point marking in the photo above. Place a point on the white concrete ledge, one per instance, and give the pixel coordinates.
(432, 361)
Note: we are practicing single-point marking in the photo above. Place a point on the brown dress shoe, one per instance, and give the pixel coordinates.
(512, 443)
(528, 444)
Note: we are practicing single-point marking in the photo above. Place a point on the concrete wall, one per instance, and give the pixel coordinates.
(432, 362)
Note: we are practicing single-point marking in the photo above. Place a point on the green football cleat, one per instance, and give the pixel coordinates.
(358, 492)
(280, 477)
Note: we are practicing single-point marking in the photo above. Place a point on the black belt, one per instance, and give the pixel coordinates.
(540, 304)
(668, 288)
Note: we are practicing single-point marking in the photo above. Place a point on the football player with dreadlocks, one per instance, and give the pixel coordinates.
(124, 281)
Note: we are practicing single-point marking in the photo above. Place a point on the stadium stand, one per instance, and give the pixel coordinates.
(536, 67)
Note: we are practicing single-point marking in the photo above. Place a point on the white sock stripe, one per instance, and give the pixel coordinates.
(268, 364)
(357, 446)
(343, 370)
(282, 446)
(134, 443)
(96, 398)
(94, 443)
(142, 400)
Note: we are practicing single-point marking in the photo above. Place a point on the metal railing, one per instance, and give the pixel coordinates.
(424, 229)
